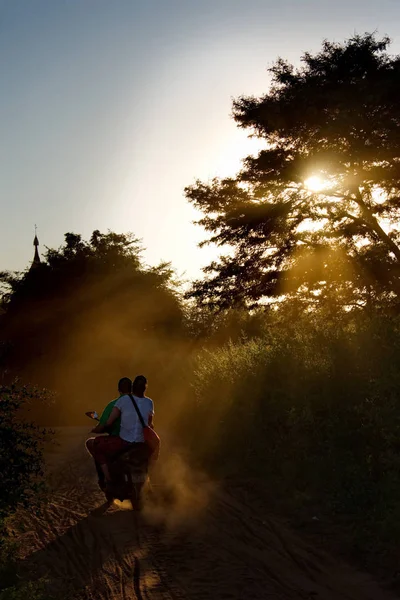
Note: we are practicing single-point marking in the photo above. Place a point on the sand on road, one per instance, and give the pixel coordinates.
(193, 541)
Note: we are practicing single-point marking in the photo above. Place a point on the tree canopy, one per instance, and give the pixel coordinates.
(90, 313)
(316, 213)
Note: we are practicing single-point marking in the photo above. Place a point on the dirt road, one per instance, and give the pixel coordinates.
(204, 543)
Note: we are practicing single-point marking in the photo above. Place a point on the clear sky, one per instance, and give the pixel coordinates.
(108, 108)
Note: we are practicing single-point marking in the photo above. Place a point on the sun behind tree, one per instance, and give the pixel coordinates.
(303, 217)
(315, 183)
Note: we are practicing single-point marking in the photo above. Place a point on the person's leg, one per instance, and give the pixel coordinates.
(104, 450)
(100, 475)
(90, 447)
(143, 453)
(99, 471)
(106, 473)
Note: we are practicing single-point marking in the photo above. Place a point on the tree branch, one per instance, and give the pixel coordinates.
(374, 224)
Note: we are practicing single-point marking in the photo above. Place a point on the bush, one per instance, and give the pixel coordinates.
(21, 480)
(11, 586)
(33, 590)
(312, 408)
(21, 447)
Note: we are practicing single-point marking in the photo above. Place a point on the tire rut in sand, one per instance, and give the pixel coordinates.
(226, 550)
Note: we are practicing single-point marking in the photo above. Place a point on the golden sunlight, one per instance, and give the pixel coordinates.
(315, 183)
(378, 195)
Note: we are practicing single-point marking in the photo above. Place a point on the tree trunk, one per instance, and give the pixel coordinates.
(373, 223)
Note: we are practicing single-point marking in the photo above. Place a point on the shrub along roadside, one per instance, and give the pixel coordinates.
(311, 408)
(21, 481)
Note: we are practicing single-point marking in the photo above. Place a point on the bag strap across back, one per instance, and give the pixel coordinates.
(139, 414)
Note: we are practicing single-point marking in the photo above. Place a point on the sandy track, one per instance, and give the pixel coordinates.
(204, 543)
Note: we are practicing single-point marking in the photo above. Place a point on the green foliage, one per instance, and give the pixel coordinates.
(34, 590)
(336, 117)
(21, 447)
(212, 327)
(90, 310)
(312, 409)
(21, 481)
(12, 586)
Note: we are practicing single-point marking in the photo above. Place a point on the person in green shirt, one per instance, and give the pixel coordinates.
(124, 387)
(105, 415)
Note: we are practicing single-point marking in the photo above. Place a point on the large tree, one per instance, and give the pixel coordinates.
(90, 313)
(316, 213)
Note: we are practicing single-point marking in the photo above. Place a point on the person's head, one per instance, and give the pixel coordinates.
(125, 385)
(139, 385)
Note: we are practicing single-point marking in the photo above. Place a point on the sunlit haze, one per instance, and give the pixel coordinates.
(315, 183)
(109, 109)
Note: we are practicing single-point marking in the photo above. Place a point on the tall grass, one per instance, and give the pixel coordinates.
(311, 407)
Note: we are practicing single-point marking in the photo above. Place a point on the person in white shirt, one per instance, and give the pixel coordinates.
(131, 429)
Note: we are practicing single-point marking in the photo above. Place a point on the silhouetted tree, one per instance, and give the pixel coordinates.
(336, 238)
(88, 314)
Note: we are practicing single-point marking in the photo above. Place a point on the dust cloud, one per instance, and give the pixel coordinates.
(179, 495)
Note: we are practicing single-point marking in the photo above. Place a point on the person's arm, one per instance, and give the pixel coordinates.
(115, 413)
(151, 415)
(99, 428)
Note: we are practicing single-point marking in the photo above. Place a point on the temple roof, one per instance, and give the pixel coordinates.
(36, 257)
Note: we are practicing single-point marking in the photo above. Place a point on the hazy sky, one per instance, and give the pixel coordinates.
(108, 108)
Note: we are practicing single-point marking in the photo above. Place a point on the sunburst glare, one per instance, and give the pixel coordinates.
(315, 183)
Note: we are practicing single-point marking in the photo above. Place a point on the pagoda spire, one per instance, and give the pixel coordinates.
(36, 258)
